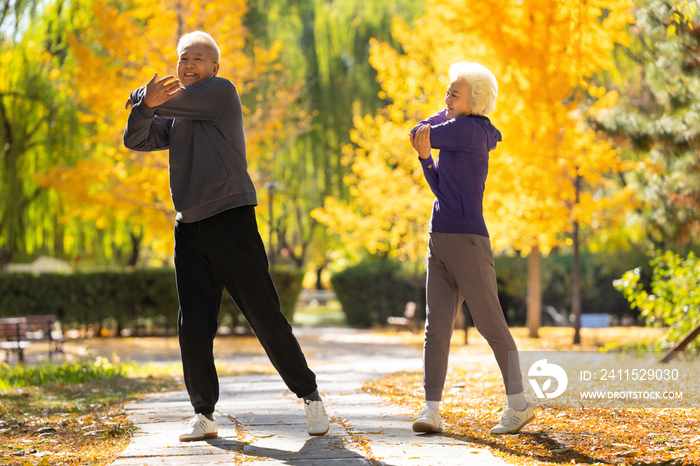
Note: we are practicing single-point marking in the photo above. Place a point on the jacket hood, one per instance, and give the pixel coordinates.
(493, 136)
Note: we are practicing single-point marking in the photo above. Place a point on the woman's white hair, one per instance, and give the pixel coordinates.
(200, 37)
(483, 87)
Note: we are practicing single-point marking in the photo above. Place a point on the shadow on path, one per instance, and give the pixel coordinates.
(309, 451)
(564, 457)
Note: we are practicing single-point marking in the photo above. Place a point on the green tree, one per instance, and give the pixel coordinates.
(12, 12)
(657, 118)
(38, 125)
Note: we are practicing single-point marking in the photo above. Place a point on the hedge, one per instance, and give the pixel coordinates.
(121, 299)
(371, 291)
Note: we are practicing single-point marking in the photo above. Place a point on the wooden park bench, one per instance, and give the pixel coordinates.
(406, 321)
(17, 334)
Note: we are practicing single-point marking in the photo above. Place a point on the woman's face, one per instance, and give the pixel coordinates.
(456, 99)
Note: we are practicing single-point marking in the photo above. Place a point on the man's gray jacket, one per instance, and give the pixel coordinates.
(202, 125)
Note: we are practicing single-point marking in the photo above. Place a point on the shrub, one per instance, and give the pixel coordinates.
(123, 299)
(372, 291)
(288, 282)
(674, 300)
(598, 271)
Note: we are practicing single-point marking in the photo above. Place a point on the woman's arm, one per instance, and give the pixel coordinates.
(436, 119)
(448, 133)
(454, 134)
(421, 143)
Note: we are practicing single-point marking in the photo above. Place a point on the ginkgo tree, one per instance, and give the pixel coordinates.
(326, 44)
(118, 47)
(548, 175)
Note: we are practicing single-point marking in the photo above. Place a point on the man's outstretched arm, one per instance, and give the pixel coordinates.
(144, 130)
(206, 100)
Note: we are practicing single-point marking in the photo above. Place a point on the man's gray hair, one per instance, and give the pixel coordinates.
(483, 87)
(200, 37)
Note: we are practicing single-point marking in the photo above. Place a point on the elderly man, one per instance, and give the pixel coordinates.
(198, 118)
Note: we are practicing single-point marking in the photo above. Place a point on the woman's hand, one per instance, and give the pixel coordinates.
(160, 91)
(421, 141)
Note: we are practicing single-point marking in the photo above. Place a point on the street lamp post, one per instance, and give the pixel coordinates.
(271, 185)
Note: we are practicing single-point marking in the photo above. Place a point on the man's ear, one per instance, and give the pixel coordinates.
(216, 68)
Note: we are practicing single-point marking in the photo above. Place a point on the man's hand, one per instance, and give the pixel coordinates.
(421, 141)
(160, 91)
(129, 104)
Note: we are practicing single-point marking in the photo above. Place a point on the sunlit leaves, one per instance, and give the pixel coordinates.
(117, 47)
(543, 54)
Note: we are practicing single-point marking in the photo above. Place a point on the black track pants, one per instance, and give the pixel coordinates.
(226, 251)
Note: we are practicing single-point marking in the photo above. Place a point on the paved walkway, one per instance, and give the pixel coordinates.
(262, 423)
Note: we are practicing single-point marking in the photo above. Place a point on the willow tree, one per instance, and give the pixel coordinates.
(38, 128)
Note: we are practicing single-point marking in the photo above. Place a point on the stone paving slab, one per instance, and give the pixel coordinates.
(262, 423)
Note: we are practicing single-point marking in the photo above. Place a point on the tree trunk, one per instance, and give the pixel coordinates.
(681, 345)
(12, 213)
(534, 292)
(576, 275)
(135, 249)
(467, 322)
(319, 272)
(576, 288)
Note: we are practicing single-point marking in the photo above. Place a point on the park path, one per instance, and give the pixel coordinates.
(262, 423)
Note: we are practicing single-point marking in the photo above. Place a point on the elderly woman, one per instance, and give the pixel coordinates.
(460, 261)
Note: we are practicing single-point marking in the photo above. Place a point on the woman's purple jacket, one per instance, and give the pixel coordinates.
(459, 176)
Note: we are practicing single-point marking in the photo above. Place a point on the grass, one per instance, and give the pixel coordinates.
(330, 315)
(58, 374)
(70, 414)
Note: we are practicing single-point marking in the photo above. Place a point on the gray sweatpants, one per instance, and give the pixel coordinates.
(461, 267)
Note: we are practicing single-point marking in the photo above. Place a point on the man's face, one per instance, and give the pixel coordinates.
(195, 64)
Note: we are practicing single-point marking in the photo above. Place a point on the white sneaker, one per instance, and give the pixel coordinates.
(199, 428)
(316, 417)
(428, 421)
(513, 420)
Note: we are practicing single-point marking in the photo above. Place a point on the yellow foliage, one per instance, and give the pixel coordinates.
(541, 51)
(117, 48)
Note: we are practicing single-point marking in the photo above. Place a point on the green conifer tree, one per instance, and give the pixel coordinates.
(657, 118)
